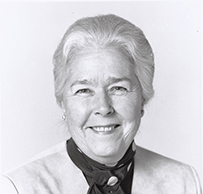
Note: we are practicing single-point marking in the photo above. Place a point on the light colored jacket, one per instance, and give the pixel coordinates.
(53, 172)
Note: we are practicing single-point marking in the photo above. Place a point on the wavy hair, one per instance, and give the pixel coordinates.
(100, 32)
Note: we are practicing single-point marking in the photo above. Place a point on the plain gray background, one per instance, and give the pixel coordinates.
(30, 119)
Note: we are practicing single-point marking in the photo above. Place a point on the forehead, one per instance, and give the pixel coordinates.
(108, 55)
(105, 63)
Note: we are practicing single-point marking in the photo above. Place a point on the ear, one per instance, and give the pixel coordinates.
(64, 111)
(62, 106)
(142, 113)
(142, 107)
(143, 103)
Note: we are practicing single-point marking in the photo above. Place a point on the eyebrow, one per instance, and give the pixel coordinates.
(82, 82)
(110, 80)
(115, 80)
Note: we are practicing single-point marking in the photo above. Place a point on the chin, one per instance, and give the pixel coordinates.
(108, 153)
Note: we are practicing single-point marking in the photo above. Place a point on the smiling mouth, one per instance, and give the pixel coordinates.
(104, 129)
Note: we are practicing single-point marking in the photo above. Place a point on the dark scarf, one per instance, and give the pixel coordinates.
(100, 178)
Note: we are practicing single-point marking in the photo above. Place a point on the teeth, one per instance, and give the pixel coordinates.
(107, 129)
(103, 129)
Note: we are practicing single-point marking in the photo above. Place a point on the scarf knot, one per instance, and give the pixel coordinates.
(101, 177)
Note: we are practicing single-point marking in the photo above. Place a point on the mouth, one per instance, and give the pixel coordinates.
(104, 129)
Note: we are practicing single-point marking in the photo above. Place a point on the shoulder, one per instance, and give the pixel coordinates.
(155, 163)
(159, 172)
(44, 160)
(152, 160)
(46, 173)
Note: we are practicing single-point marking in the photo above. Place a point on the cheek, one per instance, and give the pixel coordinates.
(130, 111)
(129, 107)
(77, 112)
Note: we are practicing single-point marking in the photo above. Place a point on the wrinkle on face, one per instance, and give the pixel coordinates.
(107, 79)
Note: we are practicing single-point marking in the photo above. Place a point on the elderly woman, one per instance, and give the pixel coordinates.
(103, 68)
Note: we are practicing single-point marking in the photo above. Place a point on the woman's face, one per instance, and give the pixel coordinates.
(103, 103)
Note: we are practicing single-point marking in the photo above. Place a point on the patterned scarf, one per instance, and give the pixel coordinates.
(100, 178)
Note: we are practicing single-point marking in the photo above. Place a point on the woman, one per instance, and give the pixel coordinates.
(103, 68)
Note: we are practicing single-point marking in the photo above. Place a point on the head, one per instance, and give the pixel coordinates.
(103, 70)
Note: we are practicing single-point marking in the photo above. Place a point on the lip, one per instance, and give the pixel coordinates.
(104, 129)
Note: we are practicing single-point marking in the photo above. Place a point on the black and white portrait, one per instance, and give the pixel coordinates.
(101, 97)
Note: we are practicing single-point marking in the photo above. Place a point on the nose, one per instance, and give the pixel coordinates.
(103, 105)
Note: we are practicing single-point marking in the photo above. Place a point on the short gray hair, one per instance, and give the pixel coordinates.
(100, 32)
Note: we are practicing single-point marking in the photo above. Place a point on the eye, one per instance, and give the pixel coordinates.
(83, 92)
(118, 90)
